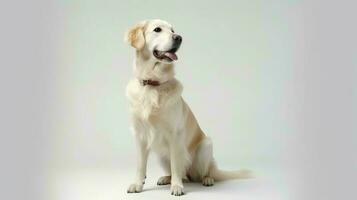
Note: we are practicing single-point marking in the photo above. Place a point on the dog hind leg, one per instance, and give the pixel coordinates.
(204, 161)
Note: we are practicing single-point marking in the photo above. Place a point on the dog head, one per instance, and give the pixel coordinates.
(156, 39)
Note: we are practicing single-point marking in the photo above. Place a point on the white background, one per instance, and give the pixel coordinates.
(287, 72)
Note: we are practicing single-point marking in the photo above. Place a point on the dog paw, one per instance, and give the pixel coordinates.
(135, 188)
(164, 180)
(207, 181)
(176, 190)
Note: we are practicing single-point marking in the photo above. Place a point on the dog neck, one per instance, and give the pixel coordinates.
(148, 68)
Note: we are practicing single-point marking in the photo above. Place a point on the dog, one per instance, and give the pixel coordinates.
(161, 120)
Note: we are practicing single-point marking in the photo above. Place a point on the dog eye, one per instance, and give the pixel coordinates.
(172, 30)
(157, 29)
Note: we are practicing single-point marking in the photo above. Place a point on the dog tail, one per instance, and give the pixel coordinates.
(221, 175)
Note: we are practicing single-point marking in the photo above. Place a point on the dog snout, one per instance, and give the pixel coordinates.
(177, 38)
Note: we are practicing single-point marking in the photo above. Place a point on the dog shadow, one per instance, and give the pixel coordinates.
(190, 187)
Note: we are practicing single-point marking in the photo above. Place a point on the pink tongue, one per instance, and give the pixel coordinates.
(172, 56)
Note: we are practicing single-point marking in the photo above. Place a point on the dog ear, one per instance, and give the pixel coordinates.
(135, 36)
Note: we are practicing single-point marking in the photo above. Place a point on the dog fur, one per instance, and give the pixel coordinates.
(162, 121)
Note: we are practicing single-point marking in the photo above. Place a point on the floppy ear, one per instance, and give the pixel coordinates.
(135, 36)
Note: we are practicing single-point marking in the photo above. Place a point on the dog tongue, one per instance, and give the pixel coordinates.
(170, 55)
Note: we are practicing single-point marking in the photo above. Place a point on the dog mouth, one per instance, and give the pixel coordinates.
(169, 55)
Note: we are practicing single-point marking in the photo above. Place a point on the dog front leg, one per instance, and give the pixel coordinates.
(142, 158)
(178, 163)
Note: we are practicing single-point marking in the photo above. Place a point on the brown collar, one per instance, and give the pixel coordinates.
(149, 82)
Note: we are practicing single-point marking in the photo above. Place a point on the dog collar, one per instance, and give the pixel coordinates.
(149, 82)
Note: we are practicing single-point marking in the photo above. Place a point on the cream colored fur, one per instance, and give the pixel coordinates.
(162, 120)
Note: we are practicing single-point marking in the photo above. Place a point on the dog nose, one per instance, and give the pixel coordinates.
(177, 38)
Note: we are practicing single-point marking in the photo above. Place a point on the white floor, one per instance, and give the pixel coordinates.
(111, 184)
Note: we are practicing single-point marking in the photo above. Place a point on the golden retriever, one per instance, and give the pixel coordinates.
(161, 120)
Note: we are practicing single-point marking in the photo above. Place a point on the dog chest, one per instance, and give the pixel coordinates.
(148, 101)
